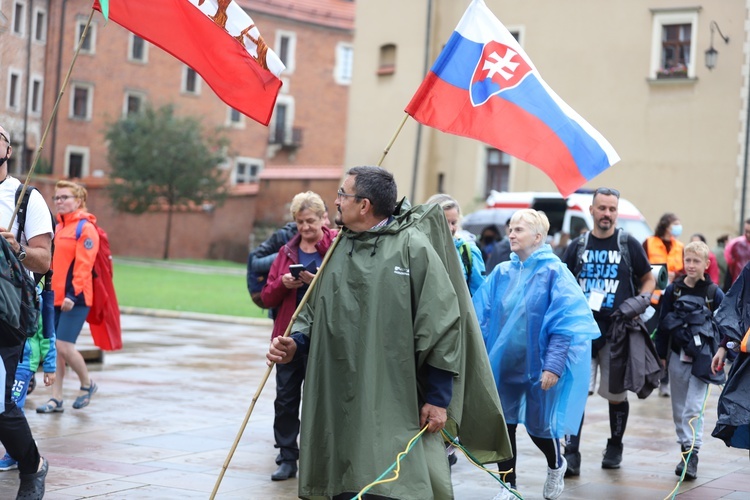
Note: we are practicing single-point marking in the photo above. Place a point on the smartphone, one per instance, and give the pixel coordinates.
(295, 269)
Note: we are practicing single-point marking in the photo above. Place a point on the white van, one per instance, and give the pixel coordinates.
(566, 215)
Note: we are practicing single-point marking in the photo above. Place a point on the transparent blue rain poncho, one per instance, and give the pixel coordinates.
(520, 307)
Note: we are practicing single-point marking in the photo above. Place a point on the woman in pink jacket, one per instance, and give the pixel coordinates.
(285, 289)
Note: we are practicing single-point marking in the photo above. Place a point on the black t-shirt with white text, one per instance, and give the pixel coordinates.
(603, 269)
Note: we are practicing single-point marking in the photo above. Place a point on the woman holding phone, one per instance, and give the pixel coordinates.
(288, 280)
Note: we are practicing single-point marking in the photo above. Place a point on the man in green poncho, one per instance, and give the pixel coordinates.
(393, 346)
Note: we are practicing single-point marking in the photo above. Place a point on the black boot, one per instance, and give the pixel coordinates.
(612, 455)
(692, 466)
(32, 485)
(285, 471)
(681, 464)
(574, 463)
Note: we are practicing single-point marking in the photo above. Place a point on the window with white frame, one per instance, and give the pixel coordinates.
(286, 47)
(246, 170)
(40, 25)
(137, 49)
(14, 89)
(133, 102)
(81, 101)
(89, 43)
(344, 59)
(19, 17)
(235, 118)
(35, 95)
(191, 81)
(76, 162)
(673, 48)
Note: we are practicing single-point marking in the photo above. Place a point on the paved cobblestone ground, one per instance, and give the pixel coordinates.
(171, 403)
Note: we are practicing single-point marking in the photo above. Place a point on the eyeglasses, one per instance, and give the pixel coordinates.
(62, 197)
(5, 138)
(607, 192)
(341, 194)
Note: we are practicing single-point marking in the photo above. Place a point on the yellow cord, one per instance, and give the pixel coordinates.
(496, 474)
(687, 453)
(399, 457)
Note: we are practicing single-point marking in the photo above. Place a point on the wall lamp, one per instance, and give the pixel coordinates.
(712, 54)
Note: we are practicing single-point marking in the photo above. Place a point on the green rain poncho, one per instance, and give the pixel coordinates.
(390, 301)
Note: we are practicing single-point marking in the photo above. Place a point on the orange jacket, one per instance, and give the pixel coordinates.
(73, 260)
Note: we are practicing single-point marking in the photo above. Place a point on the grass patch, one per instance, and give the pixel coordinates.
(198, 262)
(176, 290)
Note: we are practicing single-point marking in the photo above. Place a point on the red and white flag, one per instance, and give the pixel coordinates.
(214, 37)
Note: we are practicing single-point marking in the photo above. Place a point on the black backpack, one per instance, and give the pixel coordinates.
(19, 304)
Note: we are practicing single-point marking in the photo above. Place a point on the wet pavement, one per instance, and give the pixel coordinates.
(171, 402)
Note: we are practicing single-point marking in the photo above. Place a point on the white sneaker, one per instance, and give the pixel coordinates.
(555, 483)
(505, 494)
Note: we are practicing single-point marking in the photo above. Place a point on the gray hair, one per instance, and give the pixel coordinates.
(444, 201)
(536, 220)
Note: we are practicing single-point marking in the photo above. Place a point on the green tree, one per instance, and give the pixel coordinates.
(162, 160)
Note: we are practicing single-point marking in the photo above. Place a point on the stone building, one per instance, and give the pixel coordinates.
(116, 73)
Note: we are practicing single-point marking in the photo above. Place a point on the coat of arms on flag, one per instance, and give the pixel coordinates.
(216, 38)
(484, 86)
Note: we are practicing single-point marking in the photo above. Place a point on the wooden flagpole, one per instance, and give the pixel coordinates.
(288, 331)
(51, 118)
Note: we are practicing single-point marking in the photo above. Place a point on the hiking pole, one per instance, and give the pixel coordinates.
(51, 118)
(270, 367)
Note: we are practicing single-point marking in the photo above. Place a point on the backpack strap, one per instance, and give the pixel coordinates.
(21, 217)
(583, 240)
(79, 228)
(711, 295)
(465, 253)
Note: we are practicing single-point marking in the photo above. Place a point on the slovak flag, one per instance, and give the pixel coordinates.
(484, 86)
(214, 37)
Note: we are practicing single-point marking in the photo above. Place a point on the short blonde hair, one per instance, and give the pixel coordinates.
(537, 221)
(307, 201)
(698, 248)
(79, 191)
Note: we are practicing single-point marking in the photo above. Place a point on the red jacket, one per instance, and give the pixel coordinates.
(73, 259)
(275, 294)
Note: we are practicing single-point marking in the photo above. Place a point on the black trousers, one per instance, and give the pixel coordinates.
(289, 379)
(15, 433)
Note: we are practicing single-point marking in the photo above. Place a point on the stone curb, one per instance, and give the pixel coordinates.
(194, 316)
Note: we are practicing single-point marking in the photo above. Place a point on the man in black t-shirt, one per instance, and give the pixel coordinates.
(608, 278)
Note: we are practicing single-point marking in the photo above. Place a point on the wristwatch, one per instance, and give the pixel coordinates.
(21, 253)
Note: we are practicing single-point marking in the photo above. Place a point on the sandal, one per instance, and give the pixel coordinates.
(51, 406)
(83, 400)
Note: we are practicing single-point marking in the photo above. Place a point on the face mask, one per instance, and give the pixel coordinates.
(676, 230)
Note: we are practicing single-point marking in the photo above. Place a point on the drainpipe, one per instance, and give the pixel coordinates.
(57, 84)
(428, 33)
(24, 155)
(744, 163)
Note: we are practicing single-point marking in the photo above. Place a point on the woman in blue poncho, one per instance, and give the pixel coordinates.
(537, 329)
